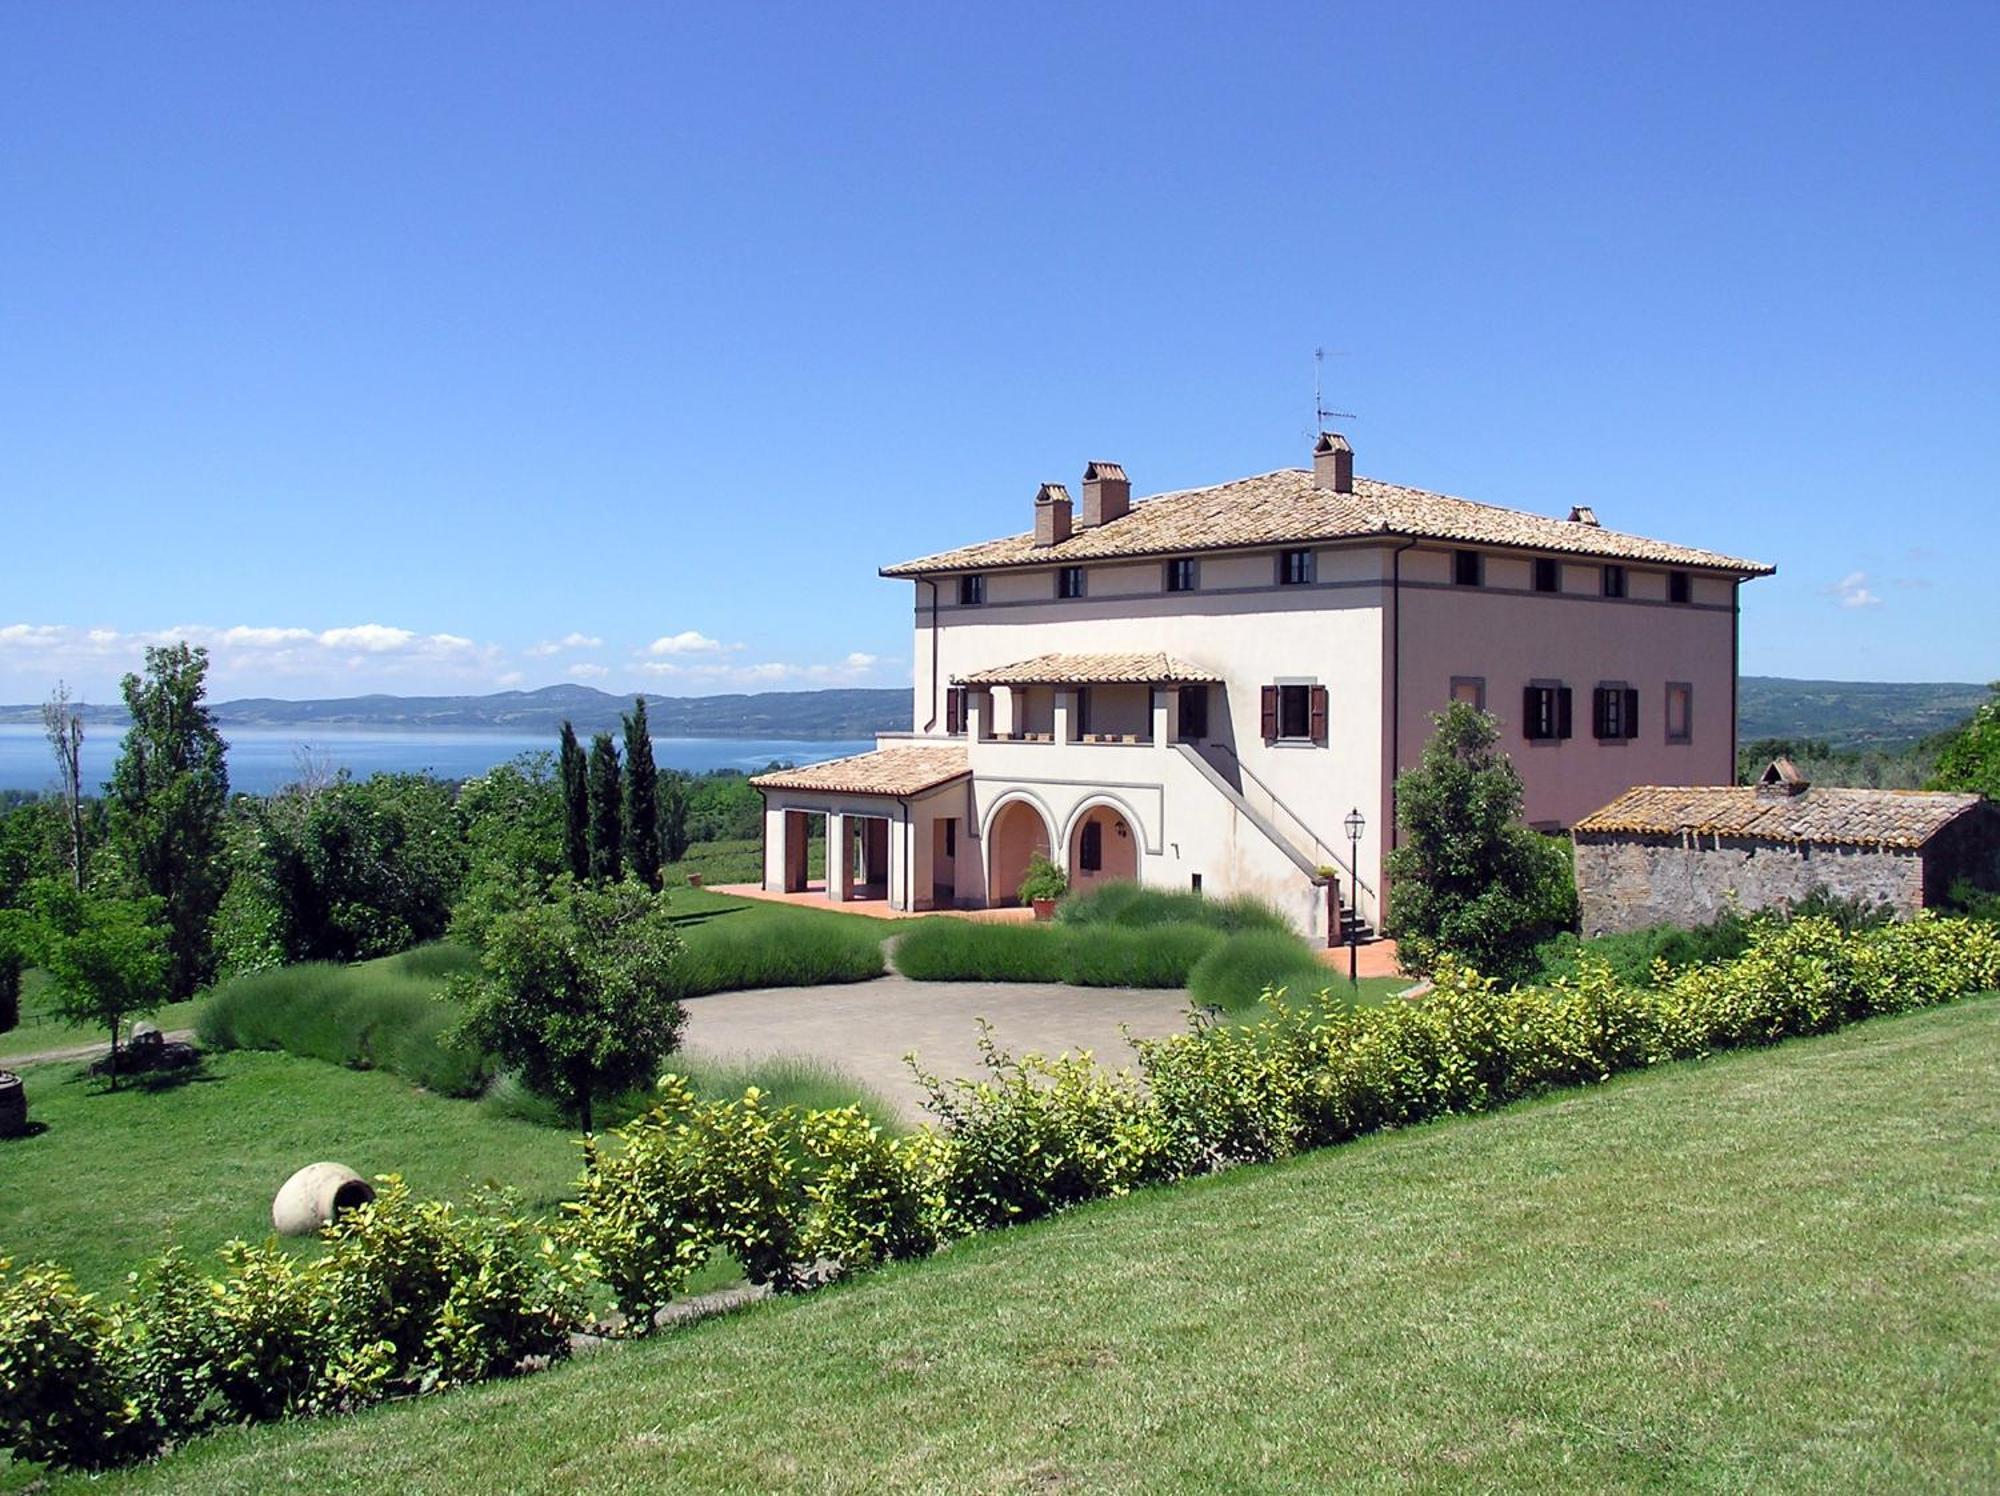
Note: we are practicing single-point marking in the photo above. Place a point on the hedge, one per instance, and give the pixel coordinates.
(415, 1295)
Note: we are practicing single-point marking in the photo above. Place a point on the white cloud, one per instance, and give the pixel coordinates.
(688, 641)
(1852, 591)
(375, 637)
(585, 670)
(508, 678)
(31, 636)
(548, 647)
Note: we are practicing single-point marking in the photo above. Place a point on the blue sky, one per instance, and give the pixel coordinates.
(448, 347)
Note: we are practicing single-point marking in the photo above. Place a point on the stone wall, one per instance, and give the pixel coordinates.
(1629, 882)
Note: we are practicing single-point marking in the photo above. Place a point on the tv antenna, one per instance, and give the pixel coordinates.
(1321, 415)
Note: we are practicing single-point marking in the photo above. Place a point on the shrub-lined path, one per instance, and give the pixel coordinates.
(1766, 1270)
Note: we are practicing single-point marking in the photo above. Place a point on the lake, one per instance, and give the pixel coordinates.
(263, 758)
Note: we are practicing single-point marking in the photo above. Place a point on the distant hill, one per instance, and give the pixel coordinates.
(1846, 714)
(839, 713)
(1852, 714)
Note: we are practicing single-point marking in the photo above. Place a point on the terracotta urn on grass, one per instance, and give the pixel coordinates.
(694, 880)
(1045, 909)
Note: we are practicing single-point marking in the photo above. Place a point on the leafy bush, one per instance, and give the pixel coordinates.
(1239, 969)
(1850, 912)
(776, 1187)
(721, 957)
(1632, 956)
(963, 950)
(380, 1016)
(788, 1080)
(68, 1389)
(1158, 956)
(1041, 1134)
(1136, 906)
(453, 1296)
(256, 1343)
(1965, 897)
(1043, 880)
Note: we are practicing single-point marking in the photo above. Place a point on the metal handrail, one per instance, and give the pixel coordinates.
(1331, 858)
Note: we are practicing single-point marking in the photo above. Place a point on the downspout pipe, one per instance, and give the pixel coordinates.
(1396, 683)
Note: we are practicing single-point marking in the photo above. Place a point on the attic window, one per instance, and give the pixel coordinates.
(971, 591)
(1295, 568)
(1466, 569)
(1614, 581)
(1677, 587)
(1548, 574)
(1069, 582)
(1182, 575)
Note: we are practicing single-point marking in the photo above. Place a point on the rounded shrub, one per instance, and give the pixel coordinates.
(1134, 906)
(1157, 956)
(963, 950)
(1235, 972)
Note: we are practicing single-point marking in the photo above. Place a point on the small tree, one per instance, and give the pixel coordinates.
(1470, 880)
(168, 793)
(576, 992)
(64, 726)
(1970, 759)
(576, 804)
(607, 812)
(642, 799)
(107, 959)
(673, 817)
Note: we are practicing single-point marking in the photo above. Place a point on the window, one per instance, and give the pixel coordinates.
(1470, 689)
(1680, 712)
(1194, 882)
(1679, 588)
(1548, 574)
(1545, 712)
(954, 710)
(1194, 713)
(951, 837)
(1614, 712)
(1069, 582)
(1614, 581)
(1295, 568)
(971, 591)
(1294, 714)
(1181, 575)
(1090, 854)
(1466, 568)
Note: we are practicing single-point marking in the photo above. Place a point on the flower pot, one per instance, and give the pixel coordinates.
(1045, 909)
(694, 880)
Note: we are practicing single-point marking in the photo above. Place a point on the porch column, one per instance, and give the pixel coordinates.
(901, 888)
(978, 715)
(1166, 715)
(839, 858)
(1065, 715)
(777, 825)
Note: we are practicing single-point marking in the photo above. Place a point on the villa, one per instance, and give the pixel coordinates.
(1214, 688)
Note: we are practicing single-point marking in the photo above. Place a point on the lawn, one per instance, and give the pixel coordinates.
(736, 861)
(117, 1175)
(1771, 1269)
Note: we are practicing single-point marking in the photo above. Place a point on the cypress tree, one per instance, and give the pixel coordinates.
(642, 799)
(576, 805)
(673, 817)
(607, 811)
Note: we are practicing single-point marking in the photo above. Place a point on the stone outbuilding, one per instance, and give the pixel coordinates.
(1682, 855)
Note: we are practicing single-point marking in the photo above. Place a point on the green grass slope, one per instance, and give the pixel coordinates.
(1770, 1270)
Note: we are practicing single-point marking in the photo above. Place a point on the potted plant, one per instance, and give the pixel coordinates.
(1043, 885)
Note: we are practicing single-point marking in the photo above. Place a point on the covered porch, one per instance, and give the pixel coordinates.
(892, 821)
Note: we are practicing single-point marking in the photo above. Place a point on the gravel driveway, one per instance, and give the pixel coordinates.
(867, 1027)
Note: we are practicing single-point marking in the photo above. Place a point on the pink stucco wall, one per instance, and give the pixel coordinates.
(1510, 638)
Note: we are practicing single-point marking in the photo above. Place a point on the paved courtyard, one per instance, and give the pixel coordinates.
(866, 1028)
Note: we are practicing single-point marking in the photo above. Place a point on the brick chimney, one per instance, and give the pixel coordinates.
(1781, 781)
(1052, 514)
(1107, 494)
(1333, 463)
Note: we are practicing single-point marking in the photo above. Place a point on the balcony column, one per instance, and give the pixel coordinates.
(978, 715)
(1065, 726)
(1166, 715)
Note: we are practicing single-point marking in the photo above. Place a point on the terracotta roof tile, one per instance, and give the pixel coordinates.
(1286, 507)
(1139, 669)
(887, 771)
(1886, 818)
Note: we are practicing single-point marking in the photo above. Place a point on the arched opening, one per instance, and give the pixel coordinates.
(1018, 834)
(1102, 849)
